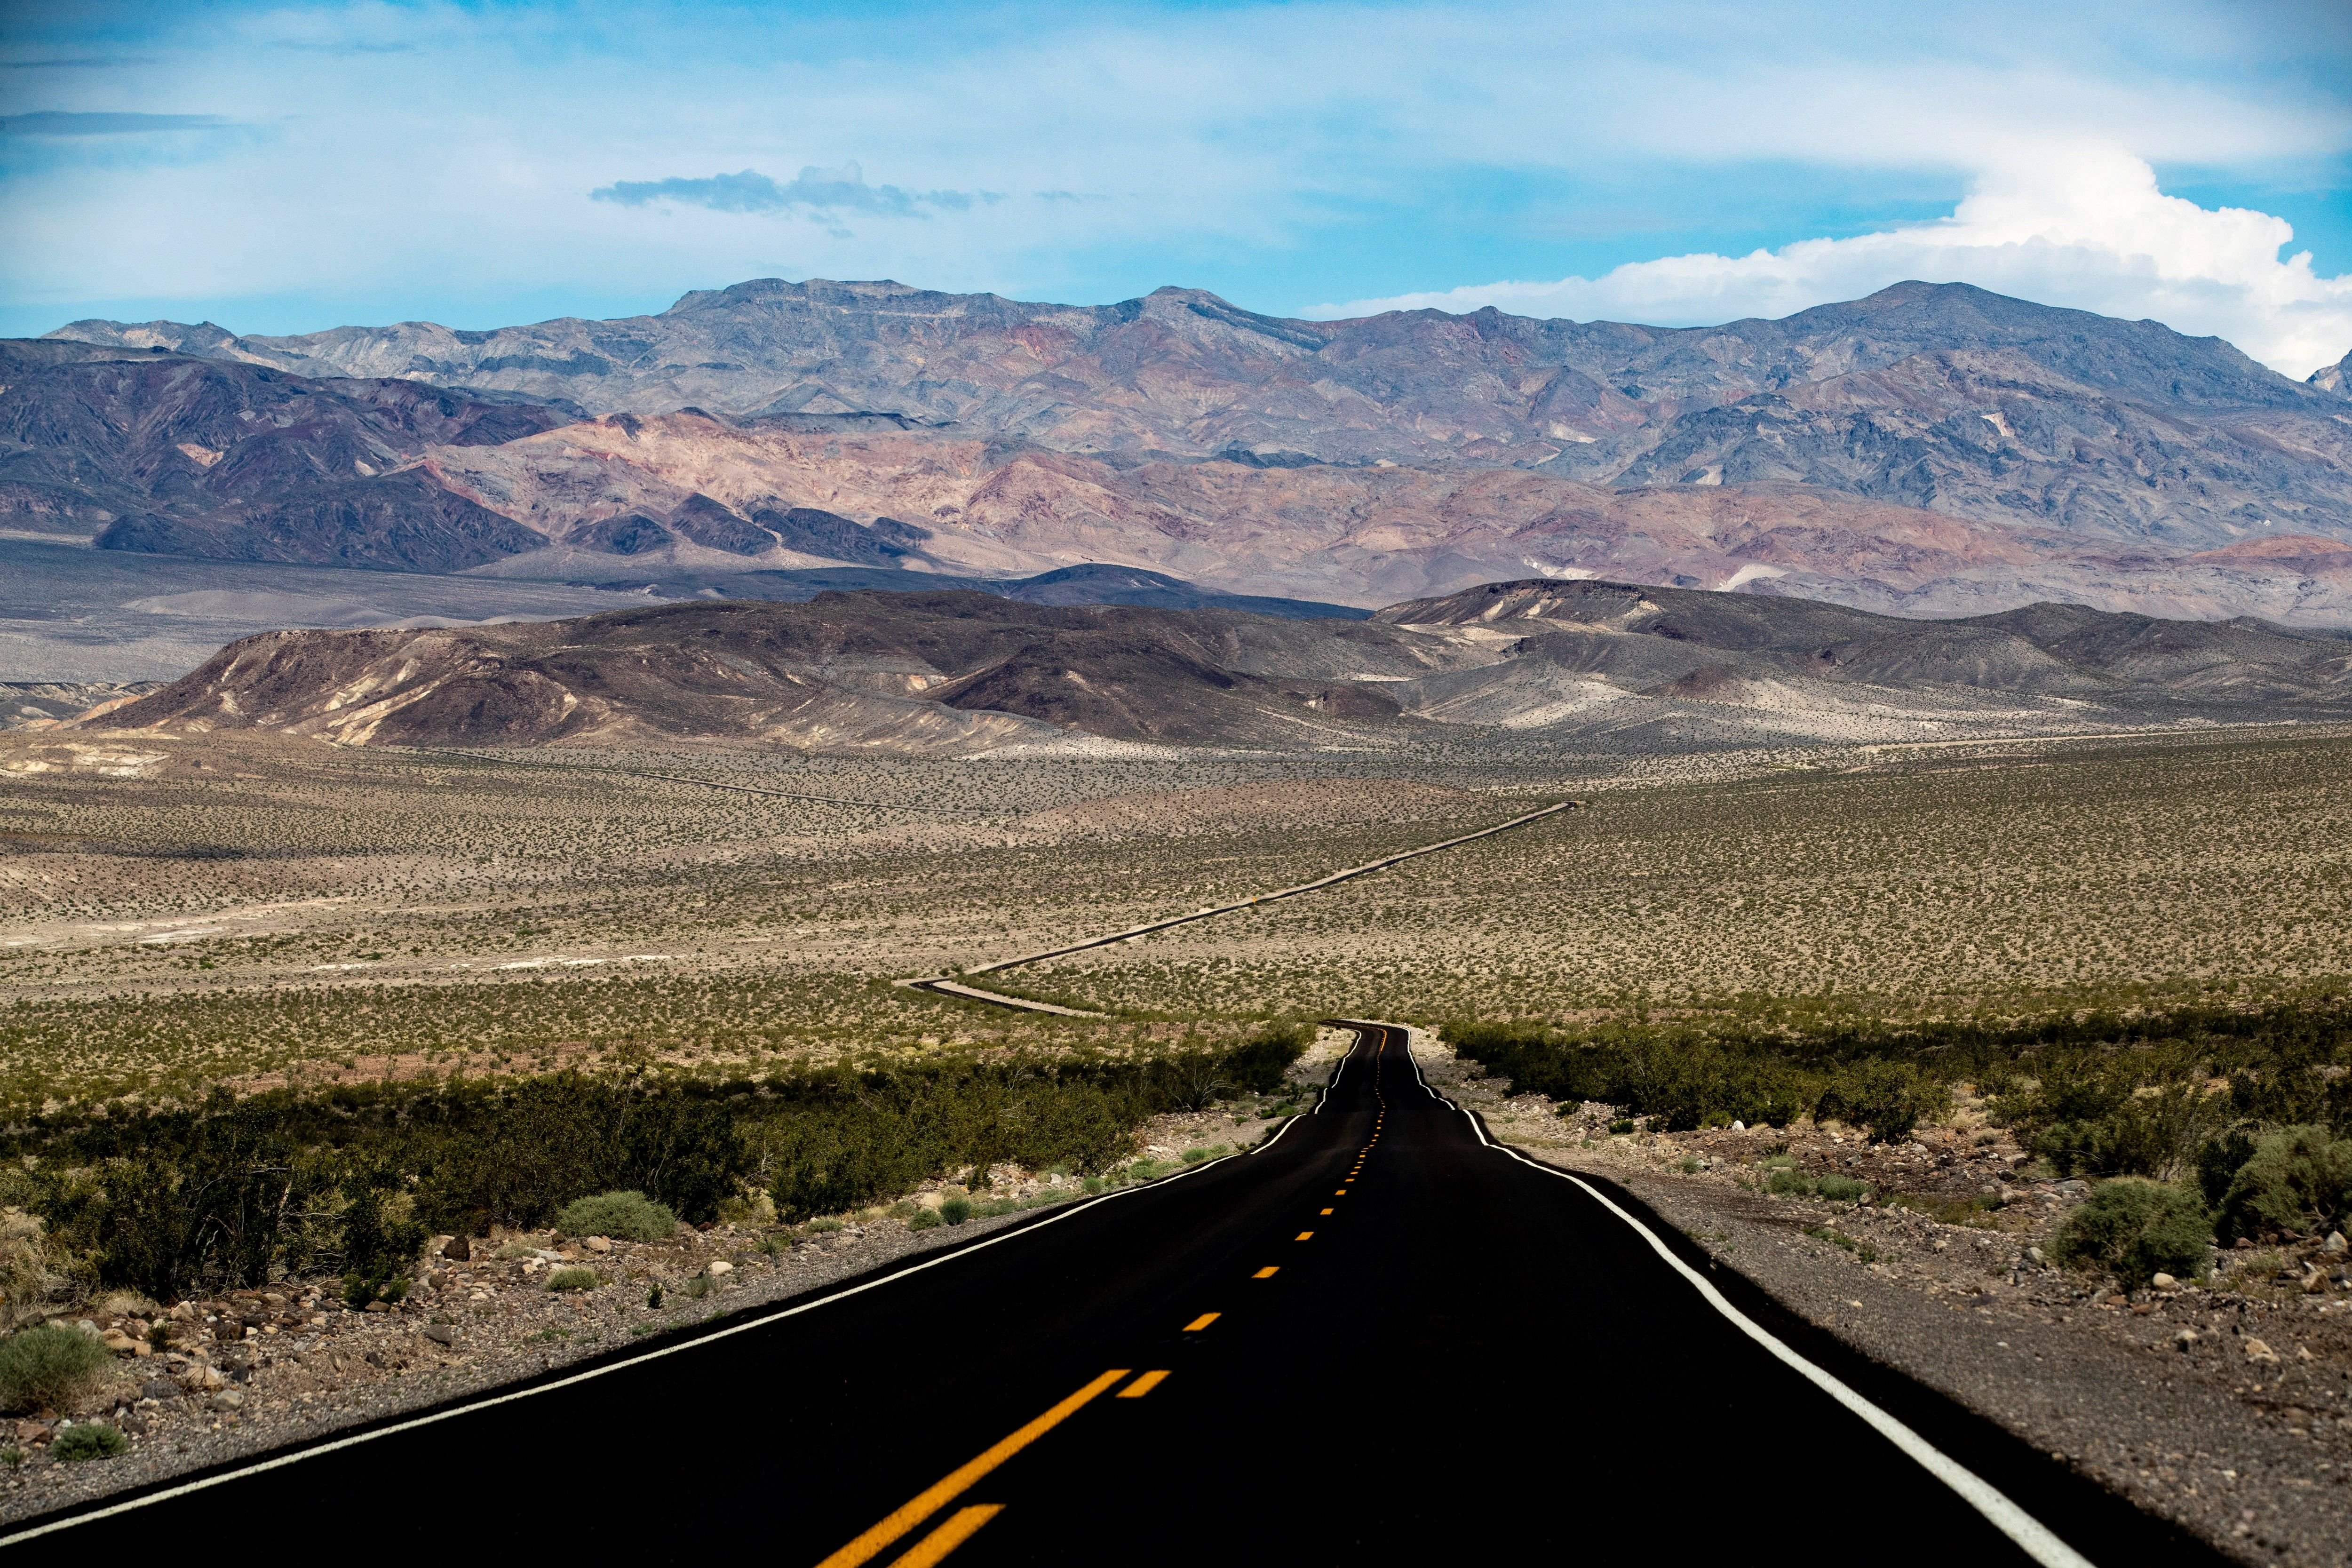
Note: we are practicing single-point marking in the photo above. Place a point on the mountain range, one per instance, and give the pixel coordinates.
(960, 671)
(1931, 450)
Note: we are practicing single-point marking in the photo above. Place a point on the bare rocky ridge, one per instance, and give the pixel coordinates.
(963, 671)
(1943, 396)
(1932, 449)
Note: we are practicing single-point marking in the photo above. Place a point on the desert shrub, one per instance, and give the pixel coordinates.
(924, 1219)
(87, 1440)
(1891, 1098)
(1787, 1182)
(2088, 1113)
(2137, 1229)
(379, 1241)
(2295, 1180)
(214, 1197)
(630, 1217)
(955, 1211)
(575, 1279)
(1841, 1189)
(1260, 1063)
(46, 1367)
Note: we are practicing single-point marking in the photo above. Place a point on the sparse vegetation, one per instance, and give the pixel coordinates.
(955, 1211)
(575, 1279)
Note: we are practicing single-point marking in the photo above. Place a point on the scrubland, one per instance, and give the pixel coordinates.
(263, 912)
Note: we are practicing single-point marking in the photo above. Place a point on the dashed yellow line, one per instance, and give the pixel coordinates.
(1268, 1272)
(958, 1529)
(1144, 1384)
(932, 1498)
(1307, 1235)
(1203, 1322)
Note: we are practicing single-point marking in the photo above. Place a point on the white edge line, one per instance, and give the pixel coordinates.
(205, 1482)
(2032, 1537)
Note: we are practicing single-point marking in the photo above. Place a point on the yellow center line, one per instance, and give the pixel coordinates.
(958, 1529)
(1268, 1273)
(1326, 1211)
(932, 1498)
(1143, 1386)
(1305, 1235)
(1340, 1194)
(1194, 1327)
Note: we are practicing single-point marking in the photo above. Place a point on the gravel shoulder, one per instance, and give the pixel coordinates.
(2226, 1409)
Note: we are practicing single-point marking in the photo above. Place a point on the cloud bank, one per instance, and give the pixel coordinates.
(823, 191)
(2086, 227)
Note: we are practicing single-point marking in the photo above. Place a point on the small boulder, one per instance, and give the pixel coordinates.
(458, 1250)
(120, 1343)
(2182, 1341)
(2258, 1352)
(2336, 1242)
(598, 1243)
(2161, 1281)
(227, 1399)
(721, 1265)
(160, 1388)
(441, 1334)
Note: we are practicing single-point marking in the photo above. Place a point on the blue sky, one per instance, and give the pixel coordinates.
(286, 167)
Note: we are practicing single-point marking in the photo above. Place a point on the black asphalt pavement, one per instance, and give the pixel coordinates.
(1377, 1340)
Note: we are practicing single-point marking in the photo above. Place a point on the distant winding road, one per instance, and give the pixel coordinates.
(1379, 1338)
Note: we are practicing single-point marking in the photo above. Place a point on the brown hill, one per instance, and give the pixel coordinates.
(963, 671)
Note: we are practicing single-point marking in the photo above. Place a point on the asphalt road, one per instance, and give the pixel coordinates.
(1377, 1340)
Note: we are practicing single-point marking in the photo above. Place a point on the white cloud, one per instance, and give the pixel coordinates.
(2079, 226)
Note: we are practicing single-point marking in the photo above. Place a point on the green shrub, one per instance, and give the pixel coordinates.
(625, 1216)
(87, 1440)
(955, 1211)
(2297, 1180)
(924, 1219)
(46, 1367)
(1622, 1124)
(1787, 1182)
(2137, 1229)
(359, 1290)
(698, 1287)
(1841, 1189)
(1890, 1099)
(1194, 1156)
(575, 1279)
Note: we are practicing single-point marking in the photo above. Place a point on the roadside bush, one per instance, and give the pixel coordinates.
(625, 1216)
(955, 1211)
(2137, 1229)
(87, 1440)
(379, 1284)
(924, 1219)
(2297, 1180)
(45, 1368)
(1841, 1189)
(1890, 1099)
(575, 1279)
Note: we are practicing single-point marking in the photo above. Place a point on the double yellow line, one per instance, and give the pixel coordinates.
(962, 1524)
